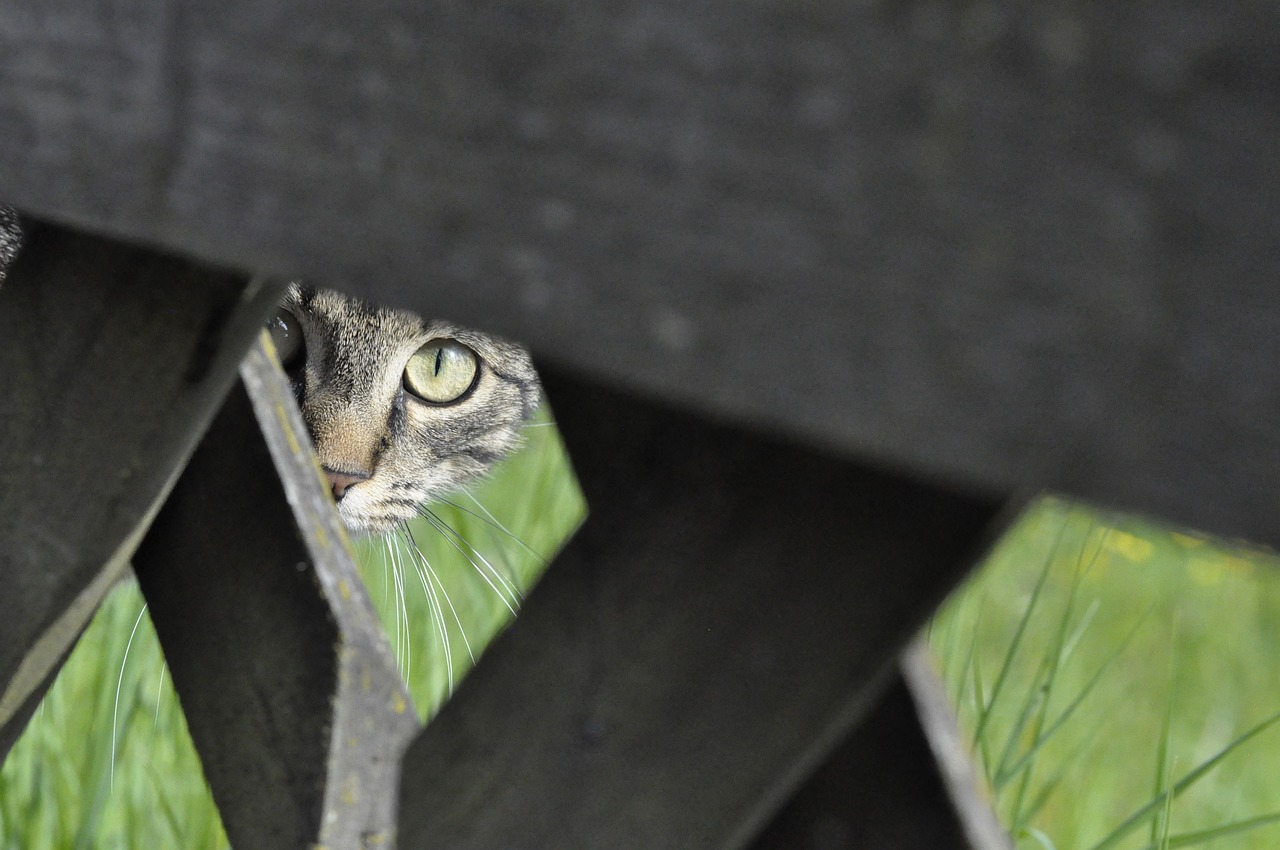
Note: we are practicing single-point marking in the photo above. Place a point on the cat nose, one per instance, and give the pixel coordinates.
(340, 481)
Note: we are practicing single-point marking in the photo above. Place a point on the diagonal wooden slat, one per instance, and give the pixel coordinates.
(289, 687)
(898, 781)
(956, 768)
(713, 630)
(112, 360)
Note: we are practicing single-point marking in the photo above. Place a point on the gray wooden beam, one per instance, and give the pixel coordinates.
(883, 788)
(288, 685)
(1016, 244)
(968, 793)
(112, 361)
(709, 635)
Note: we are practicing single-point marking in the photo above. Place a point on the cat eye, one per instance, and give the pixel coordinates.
(286, 335)
(442, 371)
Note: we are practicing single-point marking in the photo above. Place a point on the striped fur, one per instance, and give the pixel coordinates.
(350, 386)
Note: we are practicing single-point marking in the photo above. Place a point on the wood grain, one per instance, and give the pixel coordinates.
(1014, 245)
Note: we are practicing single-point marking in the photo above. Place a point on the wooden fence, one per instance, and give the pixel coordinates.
(878, 267)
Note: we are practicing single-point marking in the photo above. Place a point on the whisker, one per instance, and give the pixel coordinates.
(115, 710)
(489, 519)
(403, 650)
(448, 534)
(501, 575)
(386, 570)
(433, 603)
(164, 667)
(421, 557)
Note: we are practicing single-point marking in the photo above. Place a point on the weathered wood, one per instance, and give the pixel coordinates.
(287, 682)
(881, 788)
(112, 360)
(969, 794)
(1015, 244)
(704, 640)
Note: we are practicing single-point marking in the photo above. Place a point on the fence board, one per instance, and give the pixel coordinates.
(287, 682)
(1019, 244)
(112, 360)
(701, 644)
(882, 788)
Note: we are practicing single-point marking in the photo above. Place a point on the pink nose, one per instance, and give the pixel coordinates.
(340, 481)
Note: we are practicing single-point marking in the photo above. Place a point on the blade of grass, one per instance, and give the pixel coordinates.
(1016, 641)
(1036, 705)
(1040, 838)
(1065, 765)
(1063, 718)
(963, 678)
(1145, 811)
(1160, 823)
(979, 697)
(1194, 839)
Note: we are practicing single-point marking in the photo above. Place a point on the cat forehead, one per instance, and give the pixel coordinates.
(342, 318)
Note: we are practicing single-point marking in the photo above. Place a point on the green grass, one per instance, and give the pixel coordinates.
(1102, 665)
(1141, 655)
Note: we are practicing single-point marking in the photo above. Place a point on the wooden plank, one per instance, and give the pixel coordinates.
(882, 786)
(968, 793)
(288, 685)
(711, 632)
(1017, 244)
(112, 360)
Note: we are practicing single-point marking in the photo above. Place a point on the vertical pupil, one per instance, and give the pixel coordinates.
(439, 360)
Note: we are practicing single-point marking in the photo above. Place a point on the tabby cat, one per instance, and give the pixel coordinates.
(401, 409)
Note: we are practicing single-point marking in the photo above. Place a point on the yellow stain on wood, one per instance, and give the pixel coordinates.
(264, 338)
(321, 536)
(345, 540)
(398, 704)
(282, 416)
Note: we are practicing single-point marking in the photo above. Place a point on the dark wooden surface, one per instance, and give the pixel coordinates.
(874, 791)
(1011, 244)
(287, 683)
(114, 359)
(708, 636)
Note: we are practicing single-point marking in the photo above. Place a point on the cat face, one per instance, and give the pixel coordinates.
(401, 409)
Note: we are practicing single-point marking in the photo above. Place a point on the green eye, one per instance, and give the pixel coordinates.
(286, 335)
(441, 371)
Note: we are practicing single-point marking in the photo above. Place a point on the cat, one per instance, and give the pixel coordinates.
(401, 409)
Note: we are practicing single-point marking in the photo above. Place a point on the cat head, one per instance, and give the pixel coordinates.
(401, 409)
